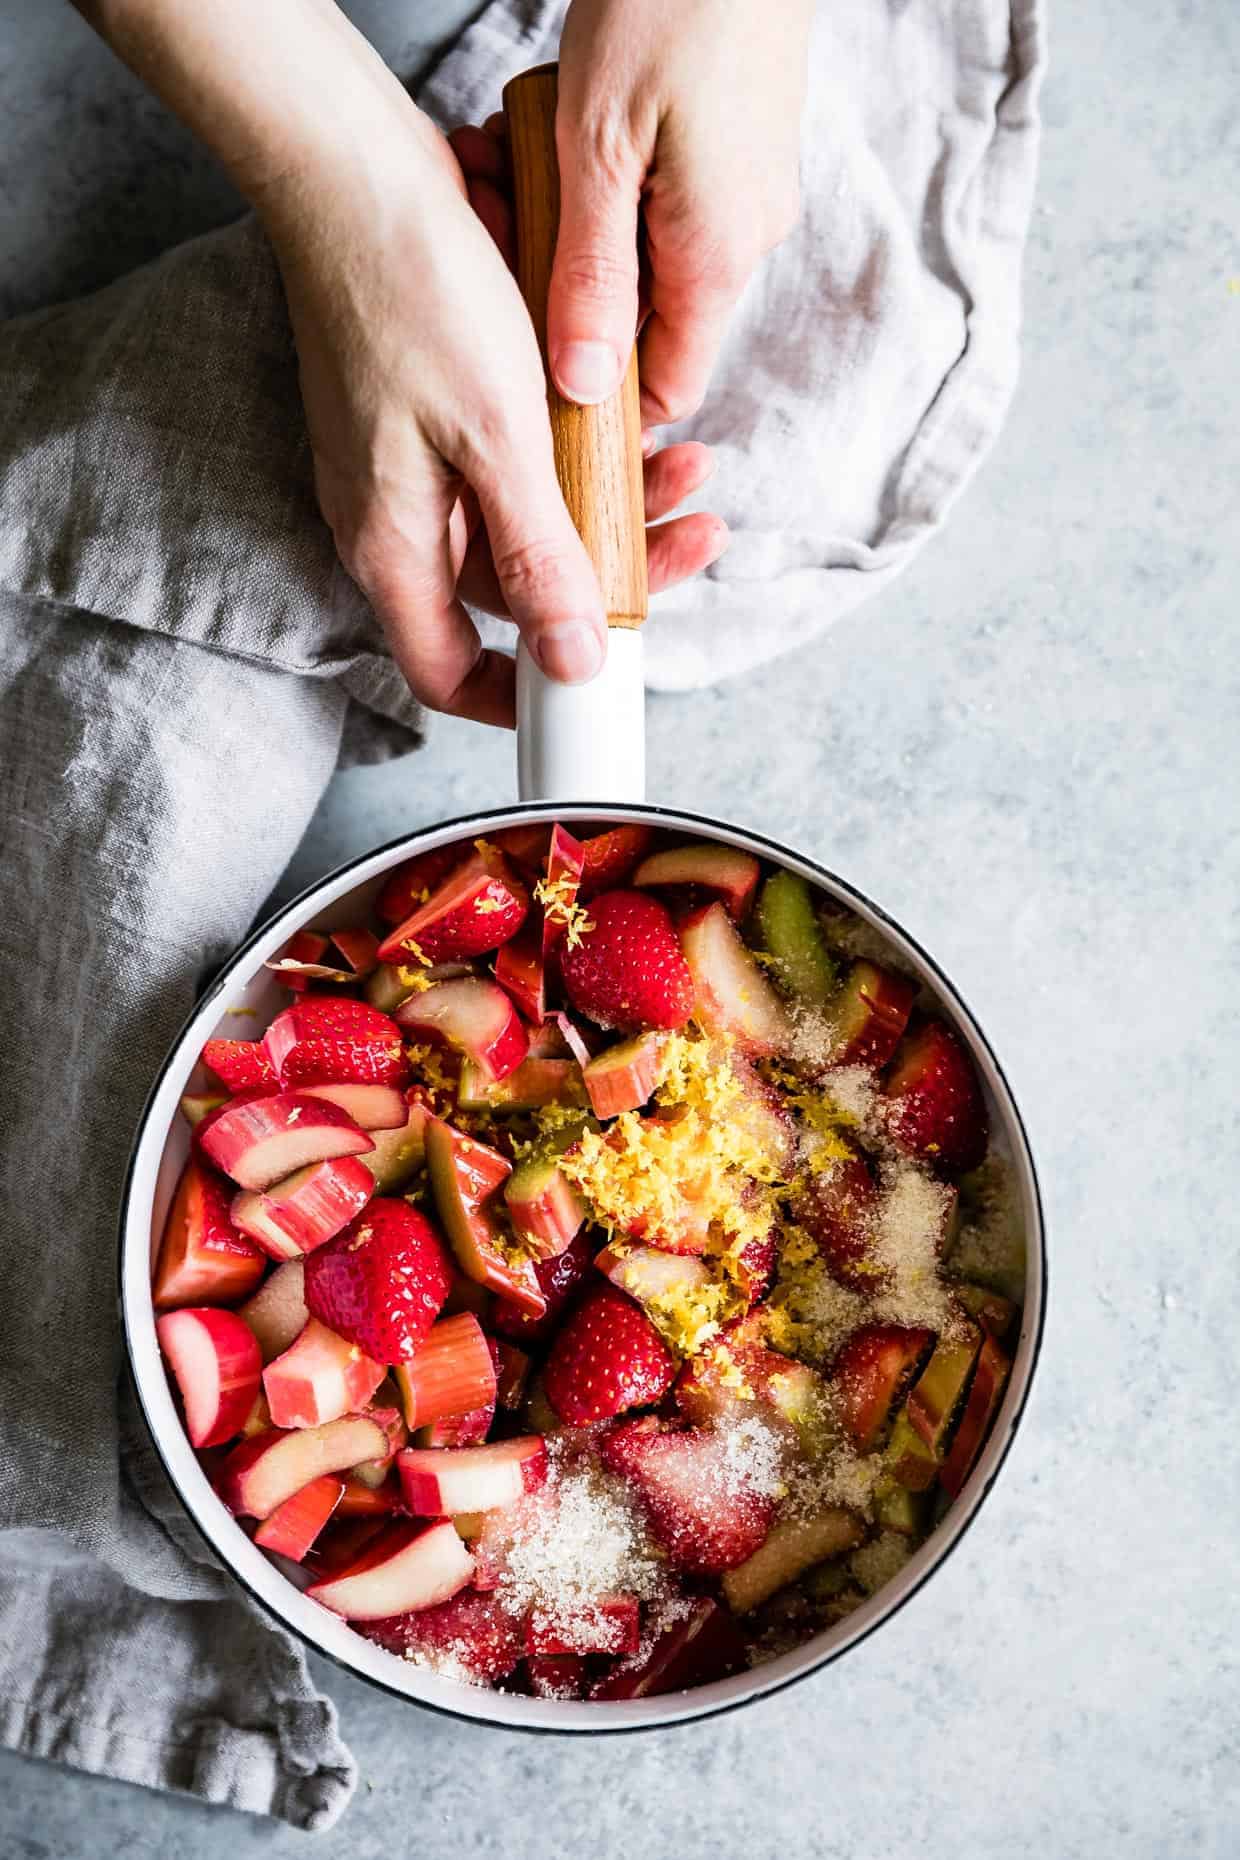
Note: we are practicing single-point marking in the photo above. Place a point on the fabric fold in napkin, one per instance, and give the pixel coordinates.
(182, 666)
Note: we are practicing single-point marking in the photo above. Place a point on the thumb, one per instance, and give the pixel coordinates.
(592, 307)
(545, 576)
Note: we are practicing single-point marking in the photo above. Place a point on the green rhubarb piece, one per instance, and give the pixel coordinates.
(897, 1508)
(907, 1459)
(938, 1392)
(790, 934)
(535, 1084)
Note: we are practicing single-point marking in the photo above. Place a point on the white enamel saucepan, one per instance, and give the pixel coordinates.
(573, 743)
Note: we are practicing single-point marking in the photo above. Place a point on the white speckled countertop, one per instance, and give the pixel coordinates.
(1029, 754)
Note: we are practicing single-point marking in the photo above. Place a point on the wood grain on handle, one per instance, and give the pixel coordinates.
(598, 455)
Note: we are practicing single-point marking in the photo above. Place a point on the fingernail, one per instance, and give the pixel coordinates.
(571, 651)
(587, 371)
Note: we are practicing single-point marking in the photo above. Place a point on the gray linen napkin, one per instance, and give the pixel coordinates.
(182, 663)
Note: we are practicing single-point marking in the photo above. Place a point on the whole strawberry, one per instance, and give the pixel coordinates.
(608, 1357)
(626, 969)
(382, 1282)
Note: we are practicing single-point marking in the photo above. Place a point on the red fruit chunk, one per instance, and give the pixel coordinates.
(408, 1565)
(726, 872)
(526, 844)
(610, 1624)
(262, 1472)
(239, 1063)
(557, 892)
(731, 995)
(458, 1430)
(293, 1527)
(318, 1378)
(202, 1257)
(464, 1176)
(409, 887)
(703, 1646)
(700, 1505)
(755, 1266)
(627, 970)
(520, 973)
(451, 1374)
(546, 1210)
(837, 1207)
(935, 1108)
(474, 1016)
(307, 1208)
(608, 1357)
(623, 1077)
(869, 1015)
(382, 1282)
(512, 1371)
(359, 950)
(556, 1281)
(473, 1630)
(608, 858)
(333, 1039)
(980, 1408)
(535, 1083)
(214, 1357)
(737, 1371)
(258, 1141)
(476, 909)
(303, 952)
(440, 1481)
(557, 1676)
(372, 1107)
(871, 1370)
(368, 1502)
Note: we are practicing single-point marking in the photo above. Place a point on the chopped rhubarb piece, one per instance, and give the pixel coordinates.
(705, 1644)
(708, 1512)
(557, 1676)
(608, 1624)
(262, 1140)
(546, 1211)
(648, 1274)
(383, 1409)
(980, 1408)
(472, 1015)
(261, 1473)
(465, 1175)
(935, 1108)
(557, 891)
(195, 1105)
(520, 973)
(398, 1153)
(372, 1107)
(451, 1373)
(907, 1460)
(727, 873)
(838, 1207)
(439, 1481)
(409, 887)
(526, 844)
(791, 936)
(938, 1392)
(870, 1372)
(475, 909)
(214, 1358)
(359, 1500)
(277, 1312)
(307, 1208)
(607, 1357)
(623, 1077)
(731, 994)
(382, 1282)
(294, 1526)
(534, 1084)
(458, 1430)
(736, 1374)
(319, 1378)
(609, 858)
(761, 1111)
(408, 1565)
(359, 950)
(240, 1063)
(868, 1015)
(572, 1041)
(471, 1632)
(557, 1281)
(792, 1547)
(202, 1257)
(307, 947)
(512, 1372)
(995, 1313)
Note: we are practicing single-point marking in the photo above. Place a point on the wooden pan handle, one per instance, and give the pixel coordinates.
(598, 456)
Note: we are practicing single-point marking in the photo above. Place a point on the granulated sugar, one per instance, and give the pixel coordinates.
(908, 1235)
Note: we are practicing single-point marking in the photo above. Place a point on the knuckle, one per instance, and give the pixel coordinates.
(598, 276)
(668, 405)
(529, 571)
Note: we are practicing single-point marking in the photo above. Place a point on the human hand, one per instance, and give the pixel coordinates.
(695, 117)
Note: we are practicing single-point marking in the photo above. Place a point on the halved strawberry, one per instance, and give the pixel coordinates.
(609, 858)
(202, 1257)
(837, 1206)
(557, 1280)
(240, 1063)
(935, 1108)
(409, 887)
(703, 1645)
(627, 969)
(333, 1039)
(607, 1624)
(870, 1372)
(708, 1514)
(607, 1357)
(381, 1283)
(475, 909)
(472, 1630)
(520, 972)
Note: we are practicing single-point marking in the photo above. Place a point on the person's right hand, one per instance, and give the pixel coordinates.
(426, 403)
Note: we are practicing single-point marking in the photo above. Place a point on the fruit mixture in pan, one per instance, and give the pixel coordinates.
(597, 1278)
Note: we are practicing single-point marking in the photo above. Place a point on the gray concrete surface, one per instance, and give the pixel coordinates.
(1028, 752)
